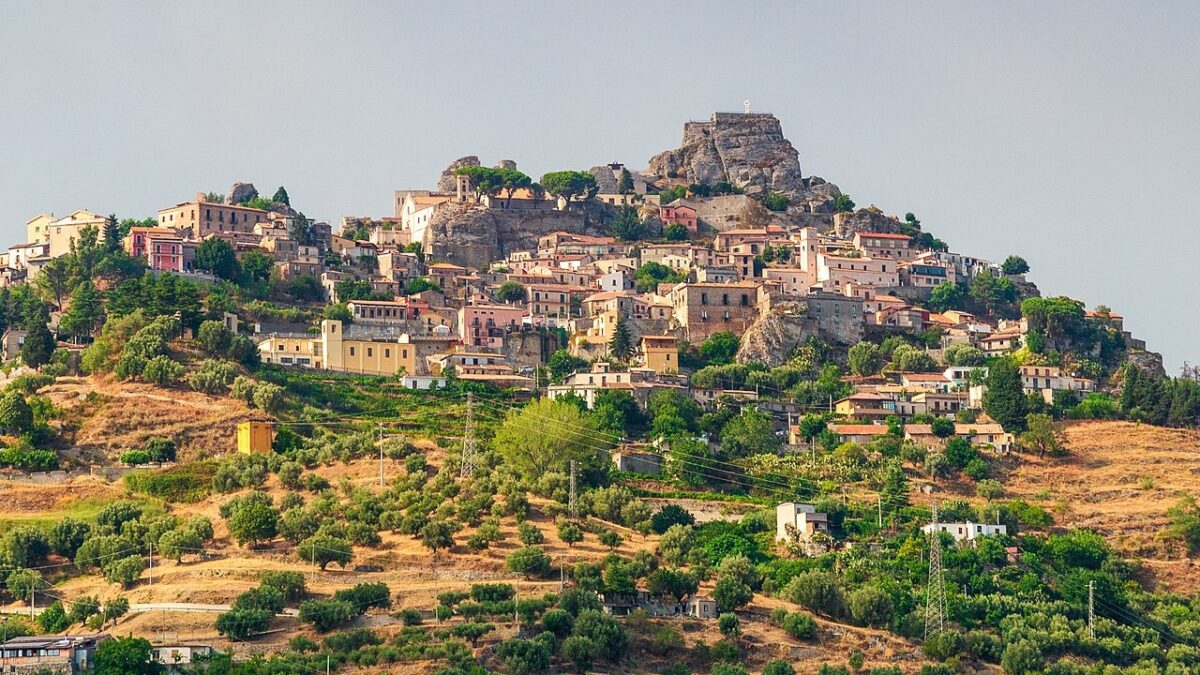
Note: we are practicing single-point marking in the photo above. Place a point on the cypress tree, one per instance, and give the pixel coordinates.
(621, 345)
(1004, 400)
(39, 342)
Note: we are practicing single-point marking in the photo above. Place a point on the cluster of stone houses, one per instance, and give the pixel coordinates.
(586, 286)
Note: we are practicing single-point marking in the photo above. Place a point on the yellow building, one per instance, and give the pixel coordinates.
(367, 356)
(255, 437)
(37, 228)
(61, 232)
(332, 350)
(204, 218)
(660, 353)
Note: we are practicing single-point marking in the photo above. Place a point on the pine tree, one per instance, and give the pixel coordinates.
(1004, 400)
(39, 344)
(16, 417)
(81, 319)
(625, 184)
(621, 345)
(112, 234)
(894, 493)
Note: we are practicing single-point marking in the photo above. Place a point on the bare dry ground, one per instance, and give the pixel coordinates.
(104, 417)
(1119, 480)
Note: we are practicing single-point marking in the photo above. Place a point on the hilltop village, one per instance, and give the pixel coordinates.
(709, 415)
(626, 276)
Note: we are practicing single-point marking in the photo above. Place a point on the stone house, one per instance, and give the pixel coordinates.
(702, 309)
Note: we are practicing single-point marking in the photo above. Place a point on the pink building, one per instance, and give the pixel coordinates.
(678, 212)
(486, 325)
(162, 248)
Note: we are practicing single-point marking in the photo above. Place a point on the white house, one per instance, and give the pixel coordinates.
(966, 531)
(802, 518)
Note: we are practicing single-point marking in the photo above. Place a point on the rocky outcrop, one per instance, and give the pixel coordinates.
(774, 336)
(506, 164)
(771, 339)
(473, 236)
(864, 220)
(241, 193)
(1151, 362)
(606, 183)
(446, 182)
(747, 150)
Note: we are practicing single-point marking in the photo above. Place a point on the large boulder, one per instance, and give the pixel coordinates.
(506, 164)
(745, 149)
(473, 237)
(446, 181)
(241, 193)
(846, 225)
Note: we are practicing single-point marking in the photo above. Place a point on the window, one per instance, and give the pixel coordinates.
(387, 353)
(352, 351)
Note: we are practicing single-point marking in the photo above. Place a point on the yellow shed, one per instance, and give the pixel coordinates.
(255, 437)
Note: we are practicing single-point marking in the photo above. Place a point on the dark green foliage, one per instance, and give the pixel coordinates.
(720, 348)
(325, 615)
(650, 275)
(1014, 264)
(365, 596)
(240, 624)
(608, 635)
(668, 515)
(216, 255)
(125, 656)
(1004, 400)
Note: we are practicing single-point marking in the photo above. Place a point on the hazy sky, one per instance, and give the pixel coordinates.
(1066, 132)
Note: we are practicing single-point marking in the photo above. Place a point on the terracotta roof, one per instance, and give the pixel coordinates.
(924, 377)
(858, 429)
(918, 429)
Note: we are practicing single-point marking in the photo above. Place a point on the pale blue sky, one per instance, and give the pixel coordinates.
(1066, 132)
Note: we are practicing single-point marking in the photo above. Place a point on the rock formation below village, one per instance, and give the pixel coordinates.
(747, 150)
(773, 337)
(870, 219)
(241, 193)
(446, 181)
(474, 237)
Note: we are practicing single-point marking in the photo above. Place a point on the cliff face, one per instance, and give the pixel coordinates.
(474, 236)
(772, 338)
(747, 150)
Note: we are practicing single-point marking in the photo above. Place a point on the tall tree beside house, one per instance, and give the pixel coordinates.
(621, 345)
(216, 256)
(510, 291)
(84, 314)
(39, 342)
(484, 179)
(1014, 264)
(1042, 436)
(281, 196)
(512, 180)
(54, 280)
(625, 182)
(112, 234)
(302, 230)
(1004, 400)
(570, 185)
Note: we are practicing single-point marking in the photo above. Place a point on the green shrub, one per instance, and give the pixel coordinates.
(135, 457)
(325, 615)
(186, 483)
(162, 371)
(213, 377)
